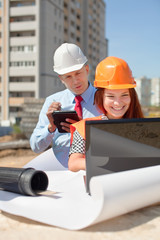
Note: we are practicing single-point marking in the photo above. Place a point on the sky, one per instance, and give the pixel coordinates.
(133, 32)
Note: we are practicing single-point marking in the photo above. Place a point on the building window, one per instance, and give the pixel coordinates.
(78, 39)
(55, 25)
(72, 35)
(22, 19)
(28, 48)
(22, 79)
(55, 11)
(22, 34)
(72, 11)
(66, 30)
(21, 94)
(65, 5)
(60, 14)
(22, 64)
(18, 4)
(72, 23)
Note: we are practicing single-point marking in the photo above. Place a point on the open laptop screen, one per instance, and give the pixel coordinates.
(119, 145)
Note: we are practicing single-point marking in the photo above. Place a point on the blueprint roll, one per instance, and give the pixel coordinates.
(26, 181)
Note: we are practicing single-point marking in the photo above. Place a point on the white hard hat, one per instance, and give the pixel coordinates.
(68, 58)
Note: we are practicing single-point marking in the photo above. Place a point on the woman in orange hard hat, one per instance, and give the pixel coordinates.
(116, 98)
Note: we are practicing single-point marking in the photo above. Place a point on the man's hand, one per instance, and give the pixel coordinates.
(55, 106)
(66, 126)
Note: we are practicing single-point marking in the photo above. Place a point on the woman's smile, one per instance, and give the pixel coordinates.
(116, 102)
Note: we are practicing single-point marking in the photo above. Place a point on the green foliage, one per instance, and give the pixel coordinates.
(16, 129)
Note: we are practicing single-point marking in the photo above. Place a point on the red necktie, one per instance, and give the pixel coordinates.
(78, 107)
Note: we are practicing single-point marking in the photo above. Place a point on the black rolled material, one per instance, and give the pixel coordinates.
(26, 181)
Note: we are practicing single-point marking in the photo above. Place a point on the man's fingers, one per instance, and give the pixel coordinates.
(65, 126)
(55, 106)
(70, 120)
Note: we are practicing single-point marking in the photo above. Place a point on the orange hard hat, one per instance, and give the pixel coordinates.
(114, 73)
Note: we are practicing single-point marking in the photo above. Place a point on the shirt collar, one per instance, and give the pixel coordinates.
(86, 95)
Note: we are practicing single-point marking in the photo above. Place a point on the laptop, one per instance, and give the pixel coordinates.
(120, 145)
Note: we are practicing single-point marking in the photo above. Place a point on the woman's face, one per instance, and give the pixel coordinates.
(116, 102)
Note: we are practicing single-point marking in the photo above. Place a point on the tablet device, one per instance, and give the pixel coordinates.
(120, 145)
(60, 116)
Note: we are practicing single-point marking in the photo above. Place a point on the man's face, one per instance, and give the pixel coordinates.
(76, 81)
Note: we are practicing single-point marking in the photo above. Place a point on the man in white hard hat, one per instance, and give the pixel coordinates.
(71, 66)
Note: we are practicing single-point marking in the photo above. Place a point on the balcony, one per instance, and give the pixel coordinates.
(17, 71)
(13, 101)
(22, 26)
(22, 11)
(22, 41)
(22, 56)
(22, 87)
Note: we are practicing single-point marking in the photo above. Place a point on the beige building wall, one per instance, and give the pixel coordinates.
(155, 94)
(148, 90)
(30, 31)
(144, 90)
(4, 13)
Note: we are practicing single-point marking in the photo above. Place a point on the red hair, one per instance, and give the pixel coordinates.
(134, 110)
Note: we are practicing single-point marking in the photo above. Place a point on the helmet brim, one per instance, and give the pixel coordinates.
(118, 86)
(69, 69)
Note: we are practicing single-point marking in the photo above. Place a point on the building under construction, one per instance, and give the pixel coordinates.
(30, 31)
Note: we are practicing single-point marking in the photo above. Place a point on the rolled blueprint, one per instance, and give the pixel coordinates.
(26, 181)
(111, 195)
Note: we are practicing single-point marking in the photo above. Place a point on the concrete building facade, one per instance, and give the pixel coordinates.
(148, 90)
(144, 90)
(155, 94)
(30, 31)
